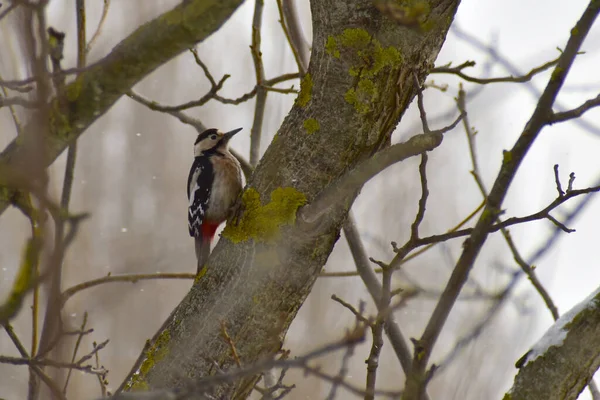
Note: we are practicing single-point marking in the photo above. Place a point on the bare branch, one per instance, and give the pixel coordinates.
(539, 118)
(353, 310)
(576, 112)
(48, 363)
(18, 101)
(231, 344)
(132, 278)
(11, 7)
(75, 350)
(370, 280)
(366, 170)
(458, 70)
(198, 125)
(96, 34)
(303, 362)
(290, 24)
(261, 92)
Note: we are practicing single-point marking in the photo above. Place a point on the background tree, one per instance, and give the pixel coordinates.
(368, 60)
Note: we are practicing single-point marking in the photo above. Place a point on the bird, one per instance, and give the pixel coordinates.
(214, 184)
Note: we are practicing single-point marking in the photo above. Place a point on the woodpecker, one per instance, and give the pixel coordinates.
(214, 183)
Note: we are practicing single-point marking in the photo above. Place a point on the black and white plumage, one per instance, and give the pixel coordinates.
(214, 183)
(199, 182)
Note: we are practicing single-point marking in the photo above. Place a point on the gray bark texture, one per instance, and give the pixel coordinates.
(359, 83)
(565, 369)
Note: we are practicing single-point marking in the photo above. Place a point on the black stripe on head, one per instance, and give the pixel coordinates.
(205, 134)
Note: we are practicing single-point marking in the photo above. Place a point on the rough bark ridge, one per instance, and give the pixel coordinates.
(566, 367)
(359, 83)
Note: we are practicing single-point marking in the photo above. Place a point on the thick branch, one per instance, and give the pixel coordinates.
(565, 359)
(356, 178)
(99, 87)
(267, 260)
(512, 161)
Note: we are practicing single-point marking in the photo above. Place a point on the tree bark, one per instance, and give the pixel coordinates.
(359, 83)
(560, 371)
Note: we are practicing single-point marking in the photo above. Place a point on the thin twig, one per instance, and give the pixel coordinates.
(11, 7)
(75, 349)
(421, 107)
(374, 287)
(231, 344)
(575, 112)
(13, 113)
(261, 93)
(290, 24)
(416, 380)
(95, 350)
(247, 169)
(18, 101)
(33, 368)
(353, 310)
(413, 255)
(47, 363)
(504, 62)
(458, 70)
(96, 34)
(133, 278)
(190, 104)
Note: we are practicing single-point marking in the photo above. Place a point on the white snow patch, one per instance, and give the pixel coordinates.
(557, 333)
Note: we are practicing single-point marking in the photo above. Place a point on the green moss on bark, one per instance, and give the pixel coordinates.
(368, 58)
(155, 353)
(262, 223)
(305, 91)
(311, 125)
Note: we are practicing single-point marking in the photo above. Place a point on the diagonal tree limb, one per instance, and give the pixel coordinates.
(98, 88)
(512, 160)
(564, 360)
(255, 281)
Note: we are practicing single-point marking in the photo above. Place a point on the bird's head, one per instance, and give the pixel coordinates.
(212, 140)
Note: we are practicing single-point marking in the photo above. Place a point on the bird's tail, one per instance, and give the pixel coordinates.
(202, 251)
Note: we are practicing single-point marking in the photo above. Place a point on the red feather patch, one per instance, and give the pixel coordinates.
(209, 229)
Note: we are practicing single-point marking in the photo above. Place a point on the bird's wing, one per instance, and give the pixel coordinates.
(199, 182)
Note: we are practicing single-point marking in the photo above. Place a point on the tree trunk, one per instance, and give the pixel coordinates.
(360, 81)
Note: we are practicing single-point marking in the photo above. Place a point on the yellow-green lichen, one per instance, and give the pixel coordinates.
(311, 125)
(411, 13)
(556, 74)
(487, 214)
(23, 281)
(74, 89)
(262, 223)
(5, 193)
(305, 91)
(200, 274)
(506, 156)
(368, 58)
(155, 353)
(331, 47)
(58, 120)
(363, 96)
(356, 38)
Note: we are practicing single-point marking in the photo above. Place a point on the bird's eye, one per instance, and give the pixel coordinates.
(213, 137)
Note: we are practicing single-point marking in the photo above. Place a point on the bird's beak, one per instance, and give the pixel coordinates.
(229, 135)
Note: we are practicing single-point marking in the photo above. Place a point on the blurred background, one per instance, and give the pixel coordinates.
(133, 163)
